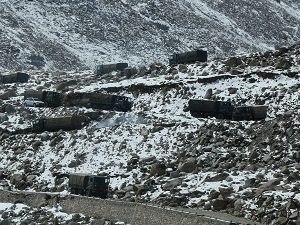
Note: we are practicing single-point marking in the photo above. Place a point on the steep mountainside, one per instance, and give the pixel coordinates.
(72, 34)
(158, 152)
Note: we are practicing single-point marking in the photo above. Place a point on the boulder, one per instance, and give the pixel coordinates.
(283, 63)
(8, 94)
(9, 108)
(3, 117)
(171, 184)
(219, 204)
(232, 90)
(267, 186)
(218, 177)
(208, 94)
(61, 86)
(233, 62)
(158, 169)
(188, 166)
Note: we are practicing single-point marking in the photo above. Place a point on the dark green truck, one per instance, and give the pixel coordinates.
(89, 185)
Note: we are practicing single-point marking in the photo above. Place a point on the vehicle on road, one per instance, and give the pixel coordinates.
(33, 102)
(89, 185)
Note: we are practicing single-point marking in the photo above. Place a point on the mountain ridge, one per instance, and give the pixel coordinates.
(80, 35)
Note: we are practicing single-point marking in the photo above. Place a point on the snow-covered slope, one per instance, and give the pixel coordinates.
(159, 152)
(80, 34)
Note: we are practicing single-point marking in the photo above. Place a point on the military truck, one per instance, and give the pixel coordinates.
(225, 110)
(205, 108)
(107, 68)
(14, 78)
(189, 57)
(257, 112)
(98, 101)
(50, 98)
(89, 185)
(60, 123)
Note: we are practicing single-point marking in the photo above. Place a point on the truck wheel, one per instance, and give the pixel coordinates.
(88, 193)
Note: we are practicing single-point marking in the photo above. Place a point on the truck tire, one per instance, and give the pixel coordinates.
(88, 193)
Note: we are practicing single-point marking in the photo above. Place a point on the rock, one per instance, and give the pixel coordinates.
(219, 204)
(8, 94)
(3, 117)
(55, 141)
(35, 145)
(214, 194)
(233, 62)
(9, 109)
(174, 174)
(98, 222)
(266, 75)
(236, 72)
(225, 191)
(238, 204)
(62, 85)
(149, 159)
(74, 163)
(249, 183)
(182, 68)
(174, 71)
(254, 155)
(5, 222)
(232, 90)
(208, 94)
(283, 63)
(281, 221)
(158, 169)
(188, 166)
(45, 136)
(267, 186)
(218, 177)
(31, 178)
(171, 184)
(252, 80)
(254, 62)
(16, 178)
(140, 189)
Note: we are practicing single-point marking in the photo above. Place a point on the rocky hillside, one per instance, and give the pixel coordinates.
(80, 34)
(158, 152)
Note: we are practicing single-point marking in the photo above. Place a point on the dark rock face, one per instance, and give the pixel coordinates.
(80, 34)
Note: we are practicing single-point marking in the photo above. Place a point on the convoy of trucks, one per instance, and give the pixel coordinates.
(98, 186)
